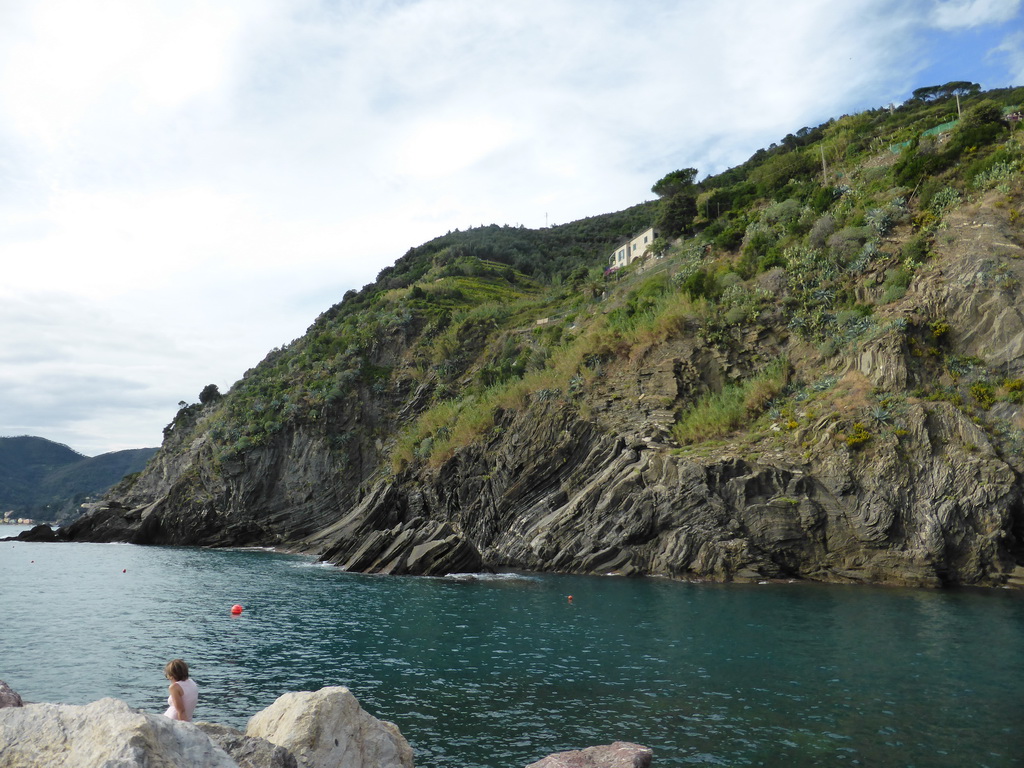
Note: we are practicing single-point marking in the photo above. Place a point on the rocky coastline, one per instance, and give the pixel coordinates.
(309, 729)
(894, 458)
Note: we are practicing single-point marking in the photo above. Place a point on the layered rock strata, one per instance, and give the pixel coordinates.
(921, 491)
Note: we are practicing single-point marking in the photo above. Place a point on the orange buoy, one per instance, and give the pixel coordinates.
(570, 598)
(236, 609)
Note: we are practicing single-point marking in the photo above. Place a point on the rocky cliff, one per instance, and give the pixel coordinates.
(879, 436)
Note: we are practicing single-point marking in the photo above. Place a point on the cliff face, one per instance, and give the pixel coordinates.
(555, 492)
(931, 506)
(891, 455)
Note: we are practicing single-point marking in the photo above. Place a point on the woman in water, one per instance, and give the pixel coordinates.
(184, 693)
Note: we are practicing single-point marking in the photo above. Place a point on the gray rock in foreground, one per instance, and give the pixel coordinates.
(248, 751)
(620, 754)
(9, 697)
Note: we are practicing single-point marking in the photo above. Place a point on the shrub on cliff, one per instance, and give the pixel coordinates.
(718, 414)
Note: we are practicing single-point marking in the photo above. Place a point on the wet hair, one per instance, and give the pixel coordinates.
(176, 670)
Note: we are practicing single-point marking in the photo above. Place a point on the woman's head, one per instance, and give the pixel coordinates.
(176, 670)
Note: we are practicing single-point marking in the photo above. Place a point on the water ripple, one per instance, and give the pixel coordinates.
(500, 670)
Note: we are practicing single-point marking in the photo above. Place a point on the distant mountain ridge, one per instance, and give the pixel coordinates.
(46, 480)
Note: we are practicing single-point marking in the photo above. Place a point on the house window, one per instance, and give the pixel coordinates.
(645, 239)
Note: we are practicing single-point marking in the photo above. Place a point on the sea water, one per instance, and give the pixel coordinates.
(502, 670)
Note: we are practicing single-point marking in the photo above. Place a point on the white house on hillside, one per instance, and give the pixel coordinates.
(634, 249)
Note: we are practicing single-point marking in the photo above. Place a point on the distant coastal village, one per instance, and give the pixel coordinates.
(8, 519)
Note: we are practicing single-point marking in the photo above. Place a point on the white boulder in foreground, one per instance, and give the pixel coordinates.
(328, 728)
(322, 729)
(105, 733)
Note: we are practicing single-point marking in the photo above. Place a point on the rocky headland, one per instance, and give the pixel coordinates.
(458, 415)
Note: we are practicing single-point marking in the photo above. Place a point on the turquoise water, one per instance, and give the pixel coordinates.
(504, 670)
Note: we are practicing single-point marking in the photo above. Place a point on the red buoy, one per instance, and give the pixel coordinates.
(236, 609)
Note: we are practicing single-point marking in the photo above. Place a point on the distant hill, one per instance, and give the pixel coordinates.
(46, 480)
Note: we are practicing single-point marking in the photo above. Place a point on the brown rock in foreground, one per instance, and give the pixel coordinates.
(620, 754)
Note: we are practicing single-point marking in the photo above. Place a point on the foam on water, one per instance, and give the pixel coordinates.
(490, 577)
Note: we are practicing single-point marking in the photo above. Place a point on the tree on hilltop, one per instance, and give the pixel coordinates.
(676, 214)
(210, 394)
(675, 182)
(678, 206)
(954, 88)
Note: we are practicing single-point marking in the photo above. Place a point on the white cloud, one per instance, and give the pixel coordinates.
(958, 14)
(1011, 50)
(185, 185)
(65, 361)
(436, 147)
(85, 66)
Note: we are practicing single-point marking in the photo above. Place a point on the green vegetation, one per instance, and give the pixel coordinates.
(48, 481)
(858, 436)
(937, 92)
(815, 242)
(736, 406)
(984, 394)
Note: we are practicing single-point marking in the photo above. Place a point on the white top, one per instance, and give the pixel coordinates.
(190, 694)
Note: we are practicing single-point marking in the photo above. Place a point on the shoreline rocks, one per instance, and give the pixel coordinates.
(620, 754)
(106, 732)
(247, 751)
(308, 729)
(329, 728)
(8, 697)
(322, 729)
(43, 532)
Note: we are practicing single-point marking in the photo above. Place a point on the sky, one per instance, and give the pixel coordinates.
(186, 184)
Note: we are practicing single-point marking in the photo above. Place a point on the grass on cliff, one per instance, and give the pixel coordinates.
(452, 424)
(775, 242)
(653, 312)
(737, 405)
